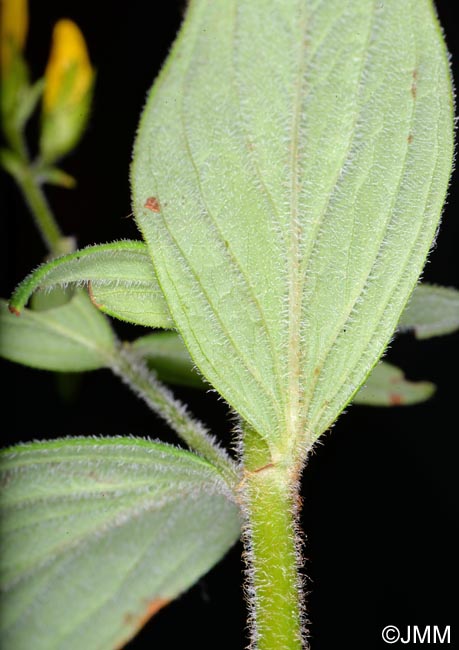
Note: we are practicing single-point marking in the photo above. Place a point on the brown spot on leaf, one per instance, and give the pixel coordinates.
(152, 204)
(395, 399)
(410, 138)
(136, 622)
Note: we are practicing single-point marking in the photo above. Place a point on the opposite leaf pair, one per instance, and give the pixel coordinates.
(122, 283)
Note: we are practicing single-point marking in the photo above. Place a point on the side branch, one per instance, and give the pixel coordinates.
(133, 372)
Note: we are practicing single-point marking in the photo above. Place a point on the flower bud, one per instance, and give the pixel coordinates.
(14, 74)
(69, 79)
(14, 24)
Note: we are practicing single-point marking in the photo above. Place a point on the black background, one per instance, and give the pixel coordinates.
(380, 492)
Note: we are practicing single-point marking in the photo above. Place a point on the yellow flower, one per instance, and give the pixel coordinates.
(69, 74)
(69, 80)
(14, 24)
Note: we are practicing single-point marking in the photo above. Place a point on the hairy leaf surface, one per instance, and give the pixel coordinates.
(97, 534)
(386, 385)
(432, 311)
(70, 338)
(297, 156)
(120, 278)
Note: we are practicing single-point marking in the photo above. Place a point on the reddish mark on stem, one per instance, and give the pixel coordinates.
(14, 310)
(395, 399)
(261, 469)
(247, 473)
(152, 204)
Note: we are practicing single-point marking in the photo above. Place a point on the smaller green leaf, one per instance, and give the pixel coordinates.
(141, 304)
(120, 277)
(167, 355)
(56, 176)
(98, 534)
(11, 162)
(57, 297)
(29, 100)
(73, 337)
(386, 386)
(431, 311)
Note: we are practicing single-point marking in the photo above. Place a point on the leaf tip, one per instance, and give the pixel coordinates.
(14, 310)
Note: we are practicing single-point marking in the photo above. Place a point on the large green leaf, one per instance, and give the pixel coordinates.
(432, 311)
(72, 337)
(297, 155)
(120, 278)
(97, 534)
(387, 386)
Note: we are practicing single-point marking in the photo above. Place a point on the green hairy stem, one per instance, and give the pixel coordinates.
(41, 212)
(270, 499)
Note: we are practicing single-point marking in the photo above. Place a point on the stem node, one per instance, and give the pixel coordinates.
(268, 494)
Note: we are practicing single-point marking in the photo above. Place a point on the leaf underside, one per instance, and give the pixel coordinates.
(386, 386)
(297, 155)
(70, 338)
(120, 278)
(97, 534)
(431, 311)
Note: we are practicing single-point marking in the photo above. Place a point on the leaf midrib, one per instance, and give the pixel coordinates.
(295, 297)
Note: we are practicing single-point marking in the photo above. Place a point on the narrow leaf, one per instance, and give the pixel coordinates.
(72, 337)
(98, 534)
(289, 173)
(56, 176)
(120, 277)
(166, 354)
(52, 298)
(29, 100)
(140, 304)
(432, 311)
(387, 386)
(11, 162)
